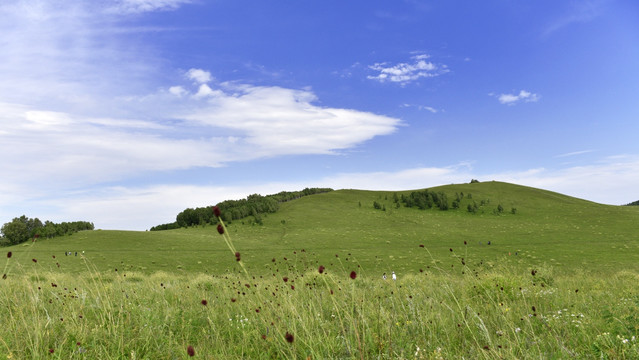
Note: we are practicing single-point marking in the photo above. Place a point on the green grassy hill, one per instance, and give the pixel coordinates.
(558, 280)
(343, 231)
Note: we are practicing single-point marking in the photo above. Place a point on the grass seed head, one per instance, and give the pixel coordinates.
(216, 211)
(289, 337)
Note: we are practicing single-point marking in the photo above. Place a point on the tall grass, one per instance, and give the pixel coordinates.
(317, 305)
(296, 312)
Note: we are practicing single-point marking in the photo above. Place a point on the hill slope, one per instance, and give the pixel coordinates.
(562, 232)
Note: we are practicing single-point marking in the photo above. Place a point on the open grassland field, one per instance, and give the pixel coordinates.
(558, 280)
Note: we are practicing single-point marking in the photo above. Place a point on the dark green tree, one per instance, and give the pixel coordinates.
(16, 231)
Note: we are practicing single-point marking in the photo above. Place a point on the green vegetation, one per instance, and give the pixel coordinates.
(555, 278)
(254, 205)
(22, 228)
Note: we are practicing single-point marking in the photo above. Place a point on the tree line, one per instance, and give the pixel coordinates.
(22, 228)
(253, 205)
(426, 199)
(429, 199)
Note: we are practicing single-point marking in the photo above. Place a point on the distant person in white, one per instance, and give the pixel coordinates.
(394, 276)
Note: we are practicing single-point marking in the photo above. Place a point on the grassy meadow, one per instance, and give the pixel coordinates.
(558, 280)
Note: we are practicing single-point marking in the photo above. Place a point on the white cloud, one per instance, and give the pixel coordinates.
(404, 73)
(178, 91)
(279, 121)
(199, 75)
(206, 91)
(140, 6)
(512, 99)
(80, 105)
(574, 153)
(422, 107)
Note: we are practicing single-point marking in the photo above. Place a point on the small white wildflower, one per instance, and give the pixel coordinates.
(517, 330)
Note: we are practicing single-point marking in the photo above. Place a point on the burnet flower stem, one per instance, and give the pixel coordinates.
(229, 243)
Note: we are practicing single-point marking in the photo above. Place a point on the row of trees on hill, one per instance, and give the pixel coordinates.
(429, 199)
(22, 228)
(426, 199)
(254, 205)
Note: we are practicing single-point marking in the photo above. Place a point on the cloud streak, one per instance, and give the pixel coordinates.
(523, 96)
(141, 6)
(404, 73)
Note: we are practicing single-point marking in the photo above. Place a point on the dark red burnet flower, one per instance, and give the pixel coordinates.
(204, 302)
(51, 351)
(353, 275)
(237, 256)
(9, 254)
(421, 245)
(289, 337)
(190, 350)
(321, 269)
(220, 229)
(34, 260)
(216, 211)
(285, 279)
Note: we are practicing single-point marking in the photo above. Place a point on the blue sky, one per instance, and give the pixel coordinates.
(125, 112)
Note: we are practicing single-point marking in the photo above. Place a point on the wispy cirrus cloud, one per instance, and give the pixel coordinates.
(141, 6)
(578, 12)
(404, 73)
(574, 153)
(512, 99)
(80, 105)
(422, 107)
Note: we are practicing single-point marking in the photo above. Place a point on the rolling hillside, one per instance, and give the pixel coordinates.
(342, 230)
